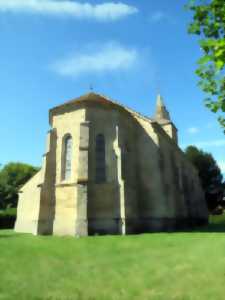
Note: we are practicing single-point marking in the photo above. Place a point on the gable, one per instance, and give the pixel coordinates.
(89, 99)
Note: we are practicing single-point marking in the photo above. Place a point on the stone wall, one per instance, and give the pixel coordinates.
(66, 191)
(28, 205)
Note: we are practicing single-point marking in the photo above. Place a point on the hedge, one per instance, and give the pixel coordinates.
(7, 218)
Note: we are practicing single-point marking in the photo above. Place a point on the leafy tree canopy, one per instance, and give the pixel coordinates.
(12, 177)
(209, 23)
(209, 173)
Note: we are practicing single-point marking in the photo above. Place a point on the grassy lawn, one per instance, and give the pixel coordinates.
(164, 266)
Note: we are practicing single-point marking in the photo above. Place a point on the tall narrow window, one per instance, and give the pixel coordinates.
(100, 171)
(67, 156)
(125, 160)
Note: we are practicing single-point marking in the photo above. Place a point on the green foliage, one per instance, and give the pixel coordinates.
(12, 177)
(217, 220)
(209, 173)
(209, 23)
(11, 212)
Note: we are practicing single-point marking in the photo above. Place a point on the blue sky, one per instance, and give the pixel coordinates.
(53, 50)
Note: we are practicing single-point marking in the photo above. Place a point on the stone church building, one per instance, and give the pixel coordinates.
(109, 170)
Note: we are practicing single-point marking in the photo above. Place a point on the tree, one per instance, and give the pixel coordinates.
(210, 174)
(12, 177)
(209, 23)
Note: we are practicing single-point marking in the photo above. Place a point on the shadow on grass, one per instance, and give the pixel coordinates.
(7, 233)
(3, 236)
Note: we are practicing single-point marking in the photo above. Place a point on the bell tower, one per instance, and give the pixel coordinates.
(162, 117)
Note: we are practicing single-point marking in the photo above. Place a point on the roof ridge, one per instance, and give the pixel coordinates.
(126, 107)
(130, 110)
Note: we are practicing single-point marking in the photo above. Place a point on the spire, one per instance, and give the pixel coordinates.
(161, 111)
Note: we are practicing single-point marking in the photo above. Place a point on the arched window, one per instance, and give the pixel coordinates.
(66, 157)
(100, 170)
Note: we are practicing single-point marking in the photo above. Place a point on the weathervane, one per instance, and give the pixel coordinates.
(158, 86)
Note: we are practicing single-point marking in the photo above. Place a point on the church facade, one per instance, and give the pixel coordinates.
(109, 170)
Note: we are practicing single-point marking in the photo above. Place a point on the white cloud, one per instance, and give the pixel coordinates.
(107, 11)
(212, 143)
(104, 58)
(193, 130)
(205, 144)
(221, 164)
(159, 16)
(211, 125)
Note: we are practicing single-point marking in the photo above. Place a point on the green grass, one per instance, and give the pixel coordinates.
(164, 266)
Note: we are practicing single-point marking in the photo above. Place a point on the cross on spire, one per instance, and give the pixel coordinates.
(91, 88)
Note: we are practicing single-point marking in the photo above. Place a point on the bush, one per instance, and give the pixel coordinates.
(7, 218)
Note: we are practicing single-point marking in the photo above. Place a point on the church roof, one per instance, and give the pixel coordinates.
(99, 98)
(96, 97)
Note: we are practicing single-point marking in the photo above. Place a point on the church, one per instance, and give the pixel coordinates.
(110, 170)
